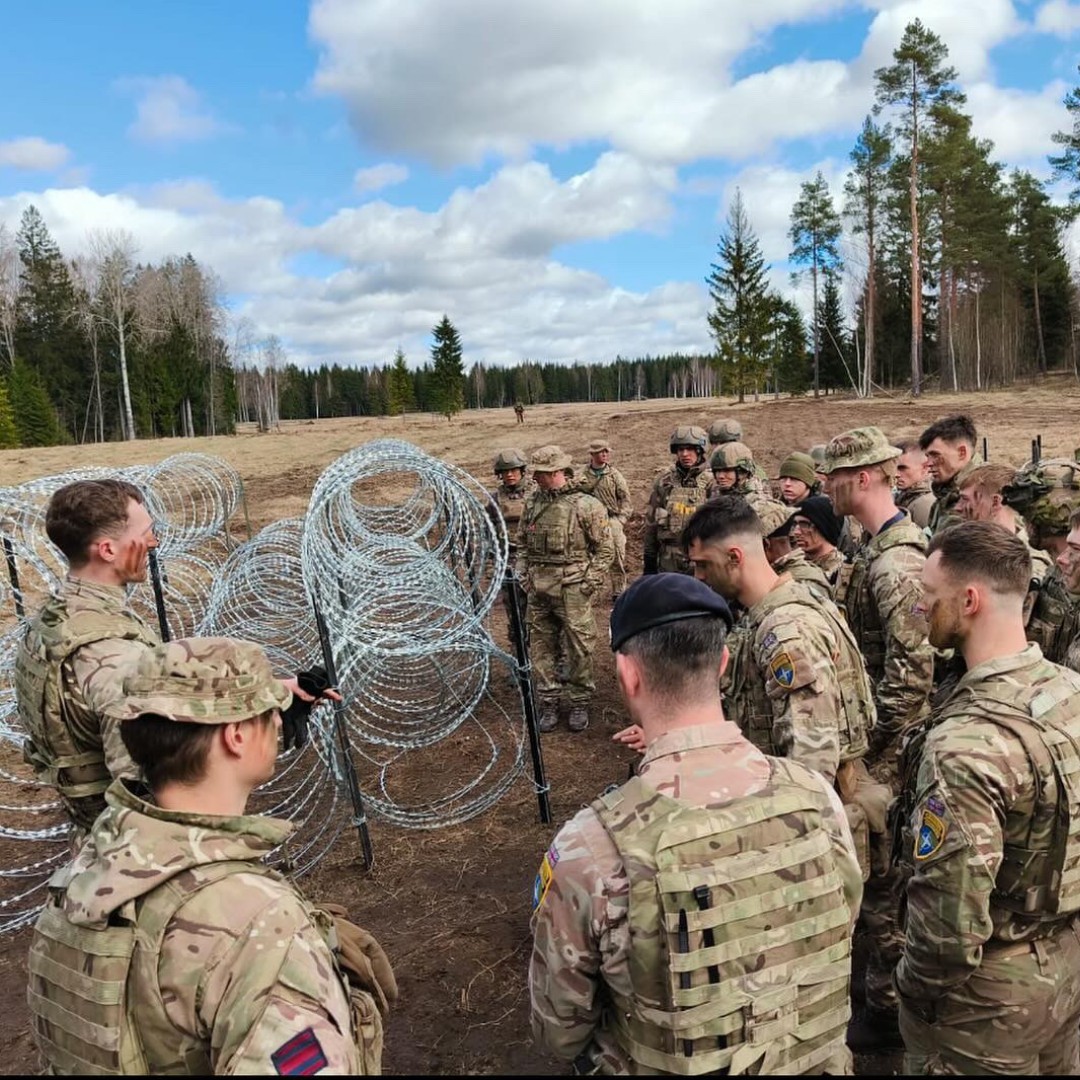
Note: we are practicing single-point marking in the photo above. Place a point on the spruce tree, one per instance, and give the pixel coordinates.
(1067, 163)
(35, 418)
(448, 372)
(9, 435)
(399, 395)
(832, 333)
(740, 319)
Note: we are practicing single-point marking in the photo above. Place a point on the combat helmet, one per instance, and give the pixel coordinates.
(724, 431)
(1045, 493)
(506, 460)
(733, 455)
(688, 435)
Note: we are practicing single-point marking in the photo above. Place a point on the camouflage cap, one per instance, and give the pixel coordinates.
(857, 448)
(509, 459)
(550, 459)
(1045, 494)
(598, 446)
(732, 455)
(724, 431)
(775, 517)
(817, 455)
(201, 681)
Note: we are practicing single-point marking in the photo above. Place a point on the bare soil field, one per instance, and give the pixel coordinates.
(451, 906)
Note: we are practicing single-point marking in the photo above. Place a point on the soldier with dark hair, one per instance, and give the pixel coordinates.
(989, 981)
(949, 445)
(676, 494)
(911, 487)
(169, 946)
(697, 919)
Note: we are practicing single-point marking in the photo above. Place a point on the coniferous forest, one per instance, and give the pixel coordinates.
(937, 266)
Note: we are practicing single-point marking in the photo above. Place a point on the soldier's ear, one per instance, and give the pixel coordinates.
(725, 656)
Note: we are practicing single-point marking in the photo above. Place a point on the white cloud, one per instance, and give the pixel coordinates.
(33, 154)
(1058, 17)
(379, 176)
(1020, 122)
(168, 110)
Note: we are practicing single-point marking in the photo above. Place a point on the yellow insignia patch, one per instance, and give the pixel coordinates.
(783, 669)
(543, 880)
(931, 835)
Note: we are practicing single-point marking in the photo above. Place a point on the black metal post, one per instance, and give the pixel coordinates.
(1034, 451)
(986, 449)
(159, 596)
(13, 575)
(356, 796)
(525, 685)
(1038, 443)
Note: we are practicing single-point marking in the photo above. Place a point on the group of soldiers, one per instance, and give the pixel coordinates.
(853, 690)
(854, 687)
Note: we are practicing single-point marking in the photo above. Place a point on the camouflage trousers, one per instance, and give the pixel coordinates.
(562, 610)
(1016, 1016)
(618, 565)
(671, 560)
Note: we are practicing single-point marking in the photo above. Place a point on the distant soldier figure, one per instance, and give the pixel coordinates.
(797, 478)
(169, 946)
(949, 445)
(777, 521)
(519, 412)
(564, 554)
(816, 529)
(697, 919)
(676, 494)
(989, 981)
(882, 598)
(911, 488)
(606, 484)
(734, 472)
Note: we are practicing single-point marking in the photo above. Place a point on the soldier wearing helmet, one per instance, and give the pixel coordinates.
(677, 493)
(724, 431)
(509, 495)
(564, 554)
(604, 482)
(169, 945)
(734, 472)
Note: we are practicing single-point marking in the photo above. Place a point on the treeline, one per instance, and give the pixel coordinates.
(105, 347)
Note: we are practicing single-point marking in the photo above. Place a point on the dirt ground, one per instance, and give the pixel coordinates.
(451, 906)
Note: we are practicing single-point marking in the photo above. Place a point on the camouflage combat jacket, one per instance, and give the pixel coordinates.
(511, 504)
(676, 494)
(947, 495)
(563, 539)
(802, 569)
(795, 683)
(880, 591)
(70, 665)
(992, 839)
(1054, 624)
(608, 486)
(918, 501)
(830, 564)
(228, 971)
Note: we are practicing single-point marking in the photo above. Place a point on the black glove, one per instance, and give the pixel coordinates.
(294, 720)
(650, 564)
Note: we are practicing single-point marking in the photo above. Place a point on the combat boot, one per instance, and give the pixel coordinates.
(579, 718)
(549, 716)
(874, 1031)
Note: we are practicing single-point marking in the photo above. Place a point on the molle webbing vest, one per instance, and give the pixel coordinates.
(511, 505)
(553, 537)
(83, 1019)
(76, 767)
(682, 496)
(853, 594)
(747, 704)
(602, 487)
(1055, 618)
(739, 957)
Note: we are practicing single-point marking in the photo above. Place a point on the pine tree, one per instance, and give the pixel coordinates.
(916, 81)
(815, 236)
(448, 372)
(1067, 163)
(866, 190)
(35, 418)
(9, 435)
(740, 319)
(399, 395)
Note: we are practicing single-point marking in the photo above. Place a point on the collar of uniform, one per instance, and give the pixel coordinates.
(1002, 665)
(698, 737)
(113, 595)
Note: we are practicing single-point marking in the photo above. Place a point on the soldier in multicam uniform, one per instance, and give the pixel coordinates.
(949, 445)
(797, 479)
(1068, 566)
(881, 597)
(508, 496)
(724, 431)
(675, 982)
(989, 981)
(677, 493)
(734, 472)
(563, 558)
(816, 530)
(777, 521)
(605, 483)
(169, 946)
(911, 488)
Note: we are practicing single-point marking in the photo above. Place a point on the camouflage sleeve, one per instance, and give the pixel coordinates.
(521, 560)
(650, 539)
(622, 497)
(580, 935)
(843, 846)
(265, 989)
(969, 776)
(601, 545)
(903, 694)
(98, 670)
(800, 681)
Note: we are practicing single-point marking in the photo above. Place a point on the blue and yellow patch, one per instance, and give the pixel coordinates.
(783, 670)
(544, 876)
(932, 830)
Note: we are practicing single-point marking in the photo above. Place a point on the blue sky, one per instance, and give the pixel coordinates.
(553, 176)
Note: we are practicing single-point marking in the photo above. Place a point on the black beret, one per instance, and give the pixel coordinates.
(656, 599)
(818, 510)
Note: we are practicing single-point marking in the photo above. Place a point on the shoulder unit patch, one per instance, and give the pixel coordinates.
(783, 670)
(932, 830)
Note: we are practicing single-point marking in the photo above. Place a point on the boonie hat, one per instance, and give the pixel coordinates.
(598, 446)
(201, 681)
(775, 518)
(656, 599)
(550, 459)
(858, 447)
